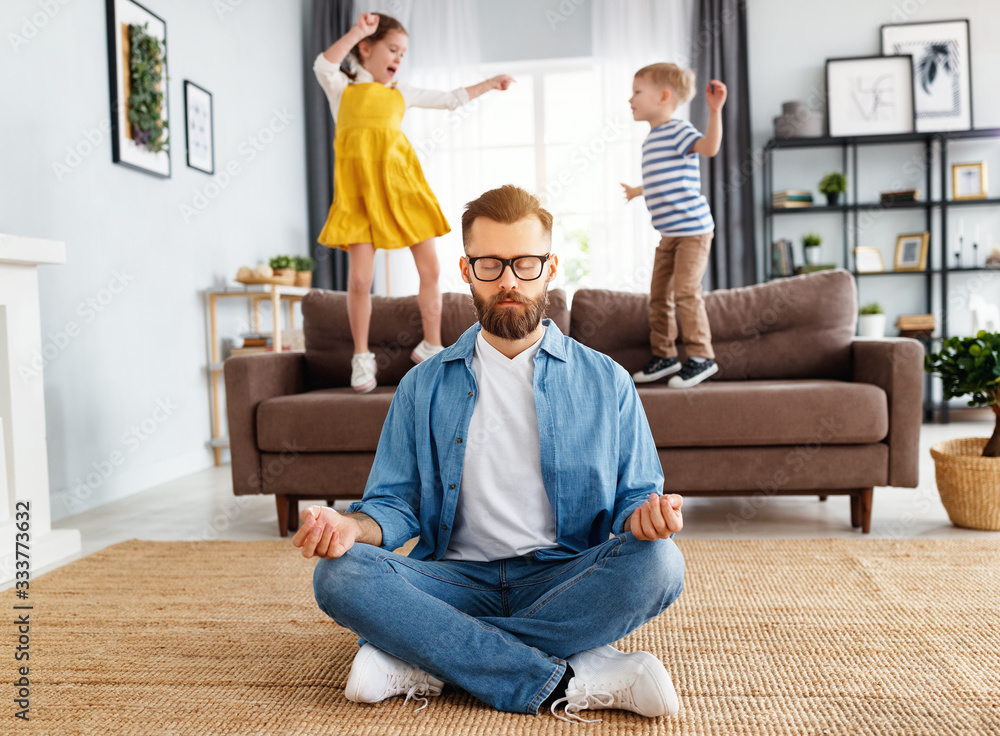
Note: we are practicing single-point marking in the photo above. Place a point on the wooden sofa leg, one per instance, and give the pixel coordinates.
(282, 503)
(865, 509)
(293, 513)
(855, 510)
(823, 498)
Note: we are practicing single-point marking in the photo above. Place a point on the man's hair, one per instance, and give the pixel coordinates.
(507, 204)
(679, 81)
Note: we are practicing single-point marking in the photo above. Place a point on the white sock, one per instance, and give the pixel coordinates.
(696, 359)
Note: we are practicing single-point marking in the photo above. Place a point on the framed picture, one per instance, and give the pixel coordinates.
(870, 95)
(868, 260)
(137, 66)
(968, 181)
(199, 126)
(943, 74)
(911, 252)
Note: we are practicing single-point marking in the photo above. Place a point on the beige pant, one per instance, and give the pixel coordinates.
(675, 296)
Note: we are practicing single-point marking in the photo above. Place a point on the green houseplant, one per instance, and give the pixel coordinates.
(145, 100)
(810, 248)
(832, 185)
(284, 270)
(871, 320)
(968, 469)
(304, 266)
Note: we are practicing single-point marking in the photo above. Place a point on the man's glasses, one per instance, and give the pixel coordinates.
(489, 268)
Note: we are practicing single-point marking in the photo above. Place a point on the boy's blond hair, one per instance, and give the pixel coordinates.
(679, 81)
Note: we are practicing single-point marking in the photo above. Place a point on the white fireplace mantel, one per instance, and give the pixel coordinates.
(24, 473)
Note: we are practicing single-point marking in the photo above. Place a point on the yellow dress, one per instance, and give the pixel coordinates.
(380, 195)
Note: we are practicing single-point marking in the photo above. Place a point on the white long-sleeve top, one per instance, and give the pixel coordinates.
(333, 81)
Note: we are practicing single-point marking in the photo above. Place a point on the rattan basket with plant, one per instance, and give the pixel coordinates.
(968, 470)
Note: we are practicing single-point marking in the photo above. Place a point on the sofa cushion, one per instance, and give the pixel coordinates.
(758, 413)
(799, 327)
(395, 330)
(327, 420)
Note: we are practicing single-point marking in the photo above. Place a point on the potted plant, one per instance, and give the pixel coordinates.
(304, 267)
(283, 269)
(810, 248)
(832, 185)
(968, 470)
(871, 320)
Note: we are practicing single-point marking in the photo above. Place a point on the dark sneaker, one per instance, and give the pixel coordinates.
(656, 369)
(693, 372)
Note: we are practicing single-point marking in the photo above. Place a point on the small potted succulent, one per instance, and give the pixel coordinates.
(304, 267)
(871, 320)
(284, 271)
(810, 248)
(968, 470)
(832, 185)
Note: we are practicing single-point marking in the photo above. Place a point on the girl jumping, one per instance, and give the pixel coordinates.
(381, 199)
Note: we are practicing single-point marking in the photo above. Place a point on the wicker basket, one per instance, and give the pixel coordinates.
(969, 483)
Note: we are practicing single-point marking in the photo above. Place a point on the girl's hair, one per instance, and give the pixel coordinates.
(386, 23)
(670, 76)
(507, 204)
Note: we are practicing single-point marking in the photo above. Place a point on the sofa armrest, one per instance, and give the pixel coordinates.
(896, 365)
(250, 379)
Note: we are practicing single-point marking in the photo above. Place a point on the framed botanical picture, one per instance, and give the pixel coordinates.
(943, 74)
(968, 181)
(911, 252)
(137, 66)
(199, 126)
(869, 95)
(868, 260)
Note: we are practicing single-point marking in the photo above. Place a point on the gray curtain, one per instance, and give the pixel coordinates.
(720, 52)
(328, 20)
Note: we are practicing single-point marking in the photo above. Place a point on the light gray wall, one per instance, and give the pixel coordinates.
(789, 41)
(143, 347)
(519, 30)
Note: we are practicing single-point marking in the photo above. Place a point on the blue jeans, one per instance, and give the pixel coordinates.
(500, 630)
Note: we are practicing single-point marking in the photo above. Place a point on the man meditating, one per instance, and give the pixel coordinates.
(524, 463)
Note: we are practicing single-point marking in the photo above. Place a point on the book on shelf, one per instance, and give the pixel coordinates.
(782, 258)
(915, 322)
(814, 267)
(257, 350)
(900, 195)
(792, 198)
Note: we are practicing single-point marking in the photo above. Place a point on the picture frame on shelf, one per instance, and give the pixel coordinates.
(911, 252)
(942, 71)
(868, 260)
(199, 125)
(142, 144)
(968, 181)
(870, 95)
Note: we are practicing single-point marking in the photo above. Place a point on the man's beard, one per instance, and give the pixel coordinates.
(510, 323)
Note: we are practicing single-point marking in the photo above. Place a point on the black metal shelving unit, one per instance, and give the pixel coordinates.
(851, 212)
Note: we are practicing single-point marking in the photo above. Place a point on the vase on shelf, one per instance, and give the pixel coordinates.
(871, 325)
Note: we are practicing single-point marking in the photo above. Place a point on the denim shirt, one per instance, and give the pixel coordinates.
(598, 459)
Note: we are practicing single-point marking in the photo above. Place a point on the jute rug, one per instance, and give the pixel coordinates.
(769, 637)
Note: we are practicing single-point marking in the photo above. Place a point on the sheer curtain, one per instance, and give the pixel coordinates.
(627, 35)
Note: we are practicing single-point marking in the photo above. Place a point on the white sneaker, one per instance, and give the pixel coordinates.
(425, 350)
(363, 372)
(376, 676)
(606, 678)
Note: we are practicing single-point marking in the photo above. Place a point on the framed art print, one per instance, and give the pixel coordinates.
(137, 66)
(942, 71)
(199, 126)
(869, 95)
(911, 252)
(868, 260)
(968, 181)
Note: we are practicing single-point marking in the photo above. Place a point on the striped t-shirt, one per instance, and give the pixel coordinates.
(671, 180)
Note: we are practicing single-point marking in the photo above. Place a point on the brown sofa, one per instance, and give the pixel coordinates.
(800, 406)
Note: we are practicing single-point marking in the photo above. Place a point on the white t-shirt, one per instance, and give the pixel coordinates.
(502, 507)
(334, 82)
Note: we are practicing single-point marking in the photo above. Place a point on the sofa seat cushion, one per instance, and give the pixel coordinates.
(758, 413)
(326, 420)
